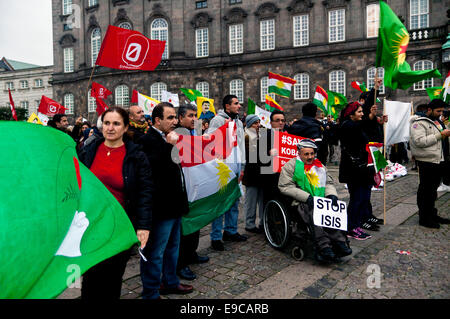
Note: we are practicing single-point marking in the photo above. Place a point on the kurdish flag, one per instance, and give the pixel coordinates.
(336, 102)
(271, 104)
(191, 94)
(57, 219)
(393, 40)
(146, 102)
(280, 85)
(310, 178)
(434, 92)
(445, 94)
(211, 168)
(321, 99)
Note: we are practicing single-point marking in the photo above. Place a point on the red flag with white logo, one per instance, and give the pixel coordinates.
(50, 107)
(125, 49)
(101, 106)
(99, 91)
(11, 102)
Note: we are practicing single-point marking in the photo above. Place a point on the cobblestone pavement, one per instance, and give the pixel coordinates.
(253, 269)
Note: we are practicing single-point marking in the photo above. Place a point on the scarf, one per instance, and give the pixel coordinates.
(143, 127)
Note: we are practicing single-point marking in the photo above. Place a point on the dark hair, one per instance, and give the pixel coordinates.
(363, 96)
(421, 108)
(227, 99)
(158, 111)
(122, 112)
(275, 112)
(309, 109)
(58, 117)
(182, 110)
(437, 103)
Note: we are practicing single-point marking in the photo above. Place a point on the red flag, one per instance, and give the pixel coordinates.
(129, 50)
(99, 91)
(11, 102)
(50, 107)
(101, 106)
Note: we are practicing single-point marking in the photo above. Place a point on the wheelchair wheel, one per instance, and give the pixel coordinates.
(297, 253)
(276, 224)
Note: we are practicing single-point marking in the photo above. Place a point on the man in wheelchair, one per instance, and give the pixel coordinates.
(302, 178)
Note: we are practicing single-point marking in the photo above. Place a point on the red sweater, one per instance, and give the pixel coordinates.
(108, 169)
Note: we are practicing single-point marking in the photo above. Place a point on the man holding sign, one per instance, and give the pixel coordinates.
(305, 179)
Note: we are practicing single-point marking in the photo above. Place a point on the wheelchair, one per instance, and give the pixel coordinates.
(285, 229)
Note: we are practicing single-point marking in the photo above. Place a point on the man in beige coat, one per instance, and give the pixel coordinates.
(330, 243)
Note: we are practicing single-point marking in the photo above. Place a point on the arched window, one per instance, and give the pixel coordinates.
(69, 103)
(237, 88)
(301, 88)
(156, 90)
(92, 106)
(337, 81)
(265, 89)
(371, 78)
(203, 87)
(159, 30)
(122, 96)
(125, 25)
(423, 65)
(96, 42)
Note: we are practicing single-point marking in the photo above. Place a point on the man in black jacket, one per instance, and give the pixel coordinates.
(169, 205)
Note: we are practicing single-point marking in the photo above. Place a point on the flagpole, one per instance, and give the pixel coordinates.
(89, 83)
(385, 170)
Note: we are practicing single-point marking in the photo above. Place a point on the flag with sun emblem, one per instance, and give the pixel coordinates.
(393, 39)
(310, 178)
(280, 85)
(211, 168)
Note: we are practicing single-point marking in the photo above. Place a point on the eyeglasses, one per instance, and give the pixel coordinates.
(280, 120)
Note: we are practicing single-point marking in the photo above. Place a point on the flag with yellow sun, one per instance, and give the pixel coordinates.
(311, 178)
(393, 39)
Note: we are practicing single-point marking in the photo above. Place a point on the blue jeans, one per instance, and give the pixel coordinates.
(161, 253)
(358, 209)
(231, 221)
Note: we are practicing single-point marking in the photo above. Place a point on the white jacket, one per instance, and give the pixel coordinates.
(425, 140)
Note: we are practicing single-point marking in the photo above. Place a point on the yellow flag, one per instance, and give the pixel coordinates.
(34, 119)
(205, 108)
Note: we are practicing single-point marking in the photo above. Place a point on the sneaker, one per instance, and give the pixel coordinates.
(374, 220)
(326, 255)
(362, 233)
(443, 188)
(341, 249)
(233, 237)
(217, 245)
(429, 224)
(442, 220)
(356, 235)
(369, 226)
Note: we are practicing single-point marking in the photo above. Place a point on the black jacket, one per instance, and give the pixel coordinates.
(137, 178)
(306, 127)
(371, 127)
(354, 157)
(170, 197)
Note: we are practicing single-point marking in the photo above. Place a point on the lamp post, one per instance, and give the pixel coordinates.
(446, 51)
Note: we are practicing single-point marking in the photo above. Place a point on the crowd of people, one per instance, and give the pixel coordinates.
(131, 154)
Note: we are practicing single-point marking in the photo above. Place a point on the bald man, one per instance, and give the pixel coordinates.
(138, 125)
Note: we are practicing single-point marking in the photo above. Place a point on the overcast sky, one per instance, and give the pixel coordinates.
(26, 31)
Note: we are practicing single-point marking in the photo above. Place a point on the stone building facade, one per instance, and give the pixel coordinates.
(318, 42)
(27, 83)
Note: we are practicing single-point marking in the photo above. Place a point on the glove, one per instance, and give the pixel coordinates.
(310, 202)
(334, 200)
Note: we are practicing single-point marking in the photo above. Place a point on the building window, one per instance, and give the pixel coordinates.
(419, 14)
(156, 90)
(423, 65)
(201, 4)
(67, 7)
(301, 34)
(373, 20)
(203, 87)
(68, 60)
(337, 81)
(23, 84)
(38, 83)
(237, 88)
(121, 95)
(24, 105)
(236, 38)
(9, 85)
(265, 89)
(267, 29)
(96, 42)
(69, 103)
(160, 31)
(92, 3)
(336, 25)
(235, 1)
(125, 25)
(201, 42)
(92, 105)
(301, 88)
(371, 79)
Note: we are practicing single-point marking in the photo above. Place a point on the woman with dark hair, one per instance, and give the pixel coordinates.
(124, 169)
(353, 169)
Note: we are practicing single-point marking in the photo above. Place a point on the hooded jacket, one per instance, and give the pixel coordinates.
(425, 140)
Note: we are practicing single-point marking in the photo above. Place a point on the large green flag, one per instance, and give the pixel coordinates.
(57, 219)
(191, 94)
(336, 102)
(393, 39)
(434, 92)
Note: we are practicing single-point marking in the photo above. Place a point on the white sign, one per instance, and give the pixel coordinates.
(327, 215)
